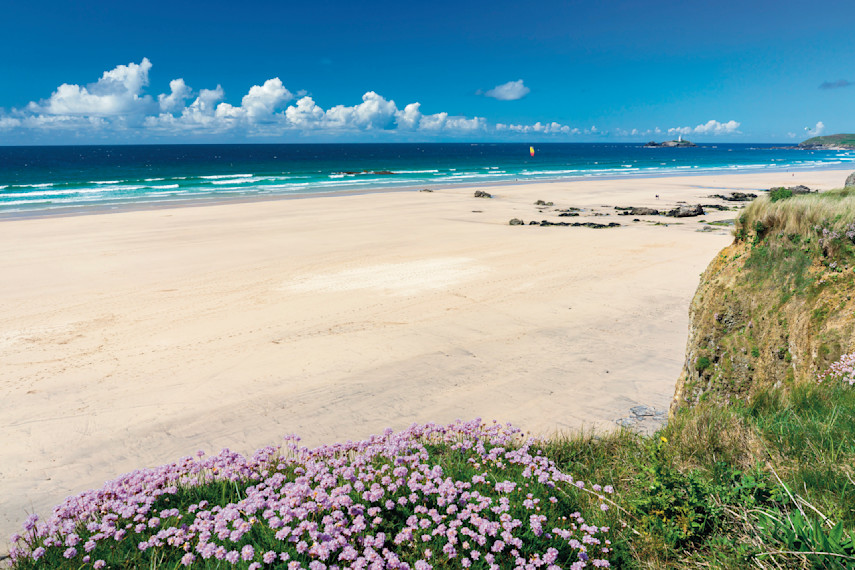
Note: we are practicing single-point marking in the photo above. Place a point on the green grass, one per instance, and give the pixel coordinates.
(702, 491)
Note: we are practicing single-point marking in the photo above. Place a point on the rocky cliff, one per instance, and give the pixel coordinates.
(775, 307)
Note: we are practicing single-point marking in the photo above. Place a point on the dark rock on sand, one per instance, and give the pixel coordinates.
(686, 211)
(516, 222)
(636, 211)
(716, 207)
(547, 223)
(568, 214)
(425, 190)
(736, 197)
(542, 203)
(482, 194)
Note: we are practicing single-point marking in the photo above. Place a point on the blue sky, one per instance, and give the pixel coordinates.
(323, 71)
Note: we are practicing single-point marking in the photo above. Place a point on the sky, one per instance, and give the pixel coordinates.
(109, 72)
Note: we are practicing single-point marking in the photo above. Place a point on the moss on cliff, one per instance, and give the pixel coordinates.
(775, 307)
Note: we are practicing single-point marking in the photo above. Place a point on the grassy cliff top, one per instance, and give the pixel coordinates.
(781, 215)
(831, 140)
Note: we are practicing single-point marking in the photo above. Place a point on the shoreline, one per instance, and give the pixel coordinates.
(226, 200)
(131, 340)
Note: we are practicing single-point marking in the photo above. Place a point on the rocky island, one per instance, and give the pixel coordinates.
(676, 143)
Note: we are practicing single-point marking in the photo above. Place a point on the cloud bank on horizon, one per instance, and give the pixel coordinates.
(116, 104)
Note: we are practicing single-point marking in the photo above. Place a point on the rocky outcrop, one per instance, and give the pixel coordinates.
(850, 180)
(636, 211)
(736, 196)
(594, 225)
(686, 211)
(765, 314)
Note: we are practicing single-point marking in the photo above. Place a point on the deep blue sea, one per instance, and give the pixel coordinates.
(62, 179)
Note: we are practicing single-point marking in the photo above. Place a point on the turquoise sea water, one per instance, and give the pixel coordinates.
(43, 180)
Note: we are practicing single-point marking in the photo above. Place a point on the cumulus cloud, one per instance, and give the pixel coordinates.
(375, 112)
(262, 100)
(542, 128)
(117, 92)
(409, 117)
(510, 91)
(817, 130)
(179, 92)
(836, 84)
(117, 102)
(711, 127)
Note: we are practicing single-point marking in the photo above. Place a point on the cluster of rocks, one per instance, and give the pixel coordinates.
(735, 197)
(547, 223)
(644, 419)
(542, 203)
(686, 211)
(482, 194)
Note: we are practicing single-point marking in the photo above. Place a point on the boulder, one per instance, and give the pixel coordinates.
(850, 180)
(643, 212)
(482, 194)
(516, 222)
(686, 211)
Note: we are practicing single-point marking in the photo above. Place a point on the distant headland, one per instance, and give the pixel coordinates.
(830, 142)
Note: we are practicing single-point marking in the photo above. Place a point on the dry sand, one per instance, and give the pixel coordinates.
(131, 339)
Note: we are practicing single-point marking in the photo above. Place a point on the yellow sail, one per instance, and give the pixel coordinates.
(531, 150)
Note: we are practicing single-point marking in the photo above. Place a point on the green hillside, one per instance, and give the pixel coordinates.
(844, 140)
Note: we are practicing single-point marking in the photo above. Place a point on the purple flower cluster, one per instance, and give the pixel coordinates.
(842, 370)
(428, 496)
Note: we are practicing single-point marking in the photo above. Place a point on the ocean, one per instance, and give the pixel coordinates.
(69, 179)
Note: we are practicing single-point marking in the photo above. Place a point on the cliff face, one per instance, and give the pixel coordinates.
(773, 308)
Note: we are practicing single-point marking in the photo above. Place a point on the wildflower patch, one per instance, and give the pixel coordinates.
(463, 495)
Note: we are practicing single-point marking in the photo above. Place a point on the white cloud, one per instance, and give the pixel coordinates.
(510, 91)
(711, 127)
(443, 122)
(117, 101)
(118, 92)
(306, 115)
(817, 130)
(263, 100)
(180, 92)
(408, 118)
(375, 112)
(9, 122)
(539, 128)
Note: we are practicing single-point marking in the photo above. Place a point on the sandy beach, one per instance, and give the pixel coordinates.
(131, 339)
